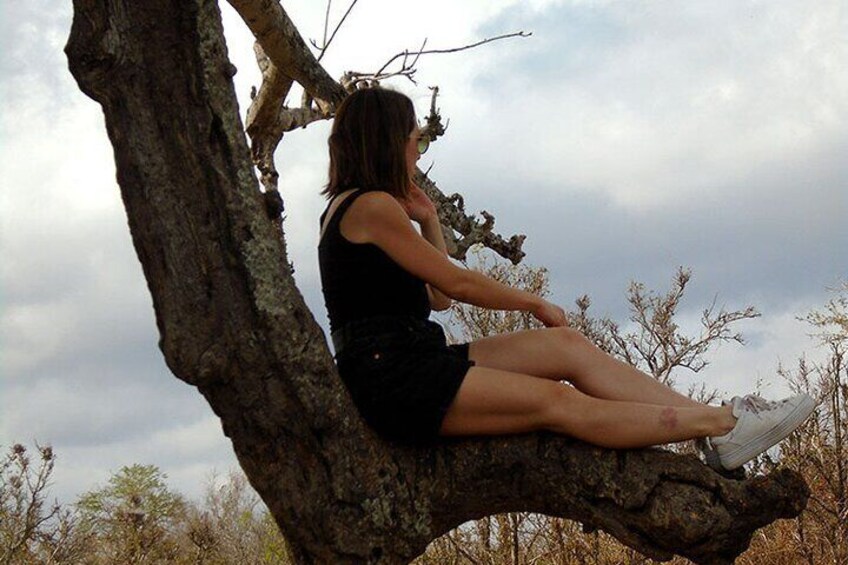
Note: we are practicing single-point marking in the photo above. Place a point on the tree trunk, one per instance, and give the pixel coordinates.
(233, 324)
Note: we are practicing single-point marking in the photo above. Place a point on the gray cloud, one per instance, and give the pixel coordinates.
(753, 248)
(32, 35)
(669, 102)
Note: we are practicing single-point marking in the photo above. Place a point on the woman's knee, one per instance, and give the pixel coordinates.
(560, 402)
(576, 351)
(570, 337)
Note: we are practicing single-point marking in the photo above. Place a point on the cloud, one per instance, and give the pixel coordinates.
(35, 81)
(654, 105)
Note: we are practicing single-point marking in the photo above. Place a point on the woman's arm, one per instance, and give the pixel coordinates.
(431, 230)
(421, 209)
(381, 220)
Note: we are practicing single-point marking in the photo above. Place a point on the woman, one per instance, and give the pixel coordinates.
(381, 279)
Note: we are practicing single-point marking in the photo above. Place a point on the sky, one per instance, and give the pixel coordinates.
(625, 139)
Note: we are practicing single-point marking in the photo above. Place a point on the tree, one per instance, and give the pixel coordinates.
(32, 531)
(134, 518)
(232, 526)
(233, 324)
(819, 449)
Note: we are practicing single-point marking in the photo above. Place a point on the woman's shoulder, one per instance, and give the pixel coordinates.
(376, 200)
(356, 211)
(372, 202)
(373, 211)
(357, 194)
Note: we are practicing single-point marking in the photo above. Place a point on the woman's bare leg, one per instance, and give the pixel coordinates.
(492, 401)
(564, 353)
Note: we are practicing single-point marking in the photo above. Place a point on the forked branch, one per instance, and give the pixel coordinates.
(325, 43)
(282, 42)
(410, 58)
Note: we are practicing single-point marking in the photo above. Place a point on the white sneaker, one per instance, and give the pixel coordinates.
(760, 424)
(711, 456)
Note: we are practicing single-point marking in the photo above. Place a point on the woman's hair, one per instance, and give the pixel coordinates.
(368, 142)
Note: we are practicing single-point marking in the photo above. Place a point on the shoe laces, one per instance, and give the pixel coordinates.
(757, 404)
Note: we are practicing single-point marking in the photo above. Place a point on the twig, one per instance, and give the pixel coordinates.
(453, 50)
(405, 54)
(326, 22)
(352, 79)
(326, 42)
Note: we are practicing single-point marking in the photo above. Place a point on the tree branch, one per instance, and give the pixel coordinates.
(655, 501)
(407, 68)
(452, 215)
(282, 42)
(282, 56)
(451, 50)
(265, 120)
(434, 129)
(326, 42)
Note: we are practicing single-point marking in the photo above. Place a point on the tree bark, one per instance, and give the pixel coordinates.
(233, 324)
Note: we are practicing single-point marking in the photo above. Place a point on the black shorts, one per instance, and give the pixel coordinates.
(402, 375)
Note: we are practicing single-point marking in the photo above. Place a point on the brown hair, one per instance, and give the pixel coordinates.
(368, 142)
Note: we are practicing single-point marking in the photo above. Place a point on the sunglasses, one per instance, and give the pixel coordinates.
(423, 143)
(423, 140)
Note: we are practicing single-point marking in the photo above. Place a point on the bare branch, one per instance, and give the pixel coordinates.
(351, 79)
(421, 51)
(327, 42)
(405, 54)
(452, 215)
(265, 125)
(657, 345)
(326, 23)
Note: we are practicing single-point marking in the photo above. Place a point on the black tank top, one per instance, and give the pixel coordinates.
(360, 281)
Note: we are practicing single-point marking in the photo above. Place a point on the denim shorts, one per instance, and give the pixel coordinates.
(401, 374)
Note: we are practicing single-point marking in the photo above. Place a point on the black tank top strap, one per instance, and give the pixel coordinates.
(339, 212)
(327, 209)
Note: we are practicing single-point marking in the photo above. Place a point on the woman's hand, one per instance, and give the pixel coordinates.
(550, 314)
(418, 205)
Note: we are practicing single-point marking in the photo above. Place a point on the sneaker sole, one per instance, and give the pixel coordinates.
(745, 453)
(712, 459)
